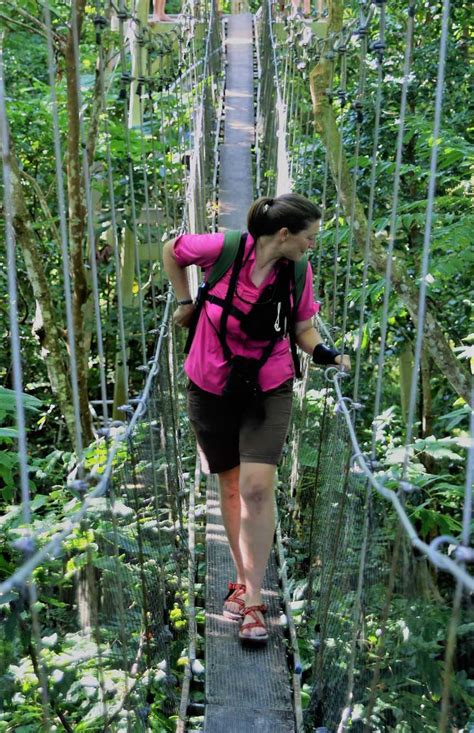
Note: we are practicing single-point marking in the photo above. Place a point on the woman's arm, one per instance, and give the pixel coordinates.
(308, 337)
(179, 280)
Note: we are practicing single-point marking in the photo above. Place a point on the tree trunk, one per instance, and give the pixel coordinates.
(326, 124)
(48, 332)
(427, 408)
(77, 225)
(406, 370)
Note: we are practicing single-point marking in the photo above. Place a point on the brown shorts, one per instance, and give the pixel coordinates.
(229, 434)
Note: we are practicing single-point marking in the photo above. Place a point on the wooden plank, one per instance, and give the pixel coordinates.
(241, 676)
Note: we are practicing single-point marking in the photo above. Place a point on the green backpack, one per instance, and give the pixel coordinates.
(225, 260)
(228, 255)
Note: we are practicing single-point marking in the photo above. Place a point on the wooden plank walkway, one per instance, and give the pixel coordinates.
(236, 186)
(247, 689)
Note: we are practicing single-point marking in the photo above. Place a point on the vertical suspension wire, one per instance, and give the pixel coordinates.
(13, 300)
(114, 225)
(312, 526)
(341, 92)
(26, 544)
(90, 219)
(358, 108)
(151, 86)
(317, 286)
(162, 138)
(93, 264)
(131, 179)
(143, 82)
(305, 137)
(311, 137)
(381, 359)
(295, 148)
(363, 29)
(467, 512)
(394, 216)
(181, 106)
(291, 106)
(258, 110)
(462, 553)
(64, 240)
(428, 226)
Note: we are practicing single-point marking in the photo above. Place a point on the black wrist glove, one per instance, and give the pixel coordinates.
(324, 355)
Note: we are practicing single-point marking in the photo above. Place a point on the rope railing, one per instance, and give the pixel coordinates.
(118, 557)
(354, 548)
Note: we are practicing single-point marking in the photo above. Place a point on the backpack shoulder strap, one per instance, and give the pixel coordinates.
(300, 278)
(226, 258)
(232, 240)
(300, 269)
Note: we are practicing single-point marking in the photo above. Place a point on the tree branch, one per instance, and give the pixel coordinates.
(52, 341)
(40, 27)
(43, 203)
(7, 20)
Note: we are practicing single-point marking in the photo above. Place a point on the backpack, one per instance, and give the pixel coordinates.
(232, 242)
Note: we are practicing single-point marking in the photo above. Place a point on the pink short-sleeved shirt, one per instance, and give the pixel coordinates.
(205, 364)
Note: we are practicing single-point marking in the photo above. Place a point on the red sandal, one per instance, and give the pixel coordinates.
(236, 590)
(254, 624)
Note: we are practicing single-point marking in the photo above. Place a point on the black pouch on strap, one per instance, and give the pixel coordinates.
(242, 382)
(269, 317)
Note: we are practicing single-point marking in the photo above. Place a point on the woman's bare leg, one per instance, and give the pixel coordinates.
(159, 11)
(257, 526)
(230, 510)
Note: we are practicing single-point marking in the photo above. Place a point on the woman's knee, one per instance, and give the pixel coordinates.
(256, 488)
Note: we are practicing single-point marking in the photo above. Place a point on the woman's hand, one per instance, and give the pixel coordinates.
(183, 315)
(344, 361)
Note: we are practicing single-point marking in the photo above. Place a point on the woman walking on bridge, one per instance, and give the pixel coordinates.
(255, 305)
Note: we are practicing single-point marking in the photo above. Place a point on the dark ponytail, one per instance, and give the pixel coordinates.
(290, 210)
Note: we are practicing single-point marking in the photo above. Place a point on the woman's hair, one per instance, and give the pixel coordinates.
(290, 210)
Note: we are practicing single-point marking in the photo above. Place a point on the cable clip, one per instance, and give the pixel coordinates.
(378, 47)
(354, 458)
(80, 486)
(351, 404)
(464, 554)
(100, 22)
(25, 544)
(342, 94)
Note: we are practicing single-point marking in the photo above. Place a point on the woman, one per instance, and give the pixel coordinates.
(241, 371)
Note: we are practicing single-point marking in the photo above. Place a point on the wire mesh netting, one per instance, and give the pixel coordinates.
(377, 624)
(358, 637)
(119, 578)
(95, 572)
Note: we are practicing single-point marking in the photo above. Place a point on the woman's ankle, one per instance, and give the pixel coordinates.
(253, 599)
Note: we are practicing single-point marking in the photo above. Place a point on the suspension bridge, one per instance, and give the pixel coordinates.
(113, 580)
